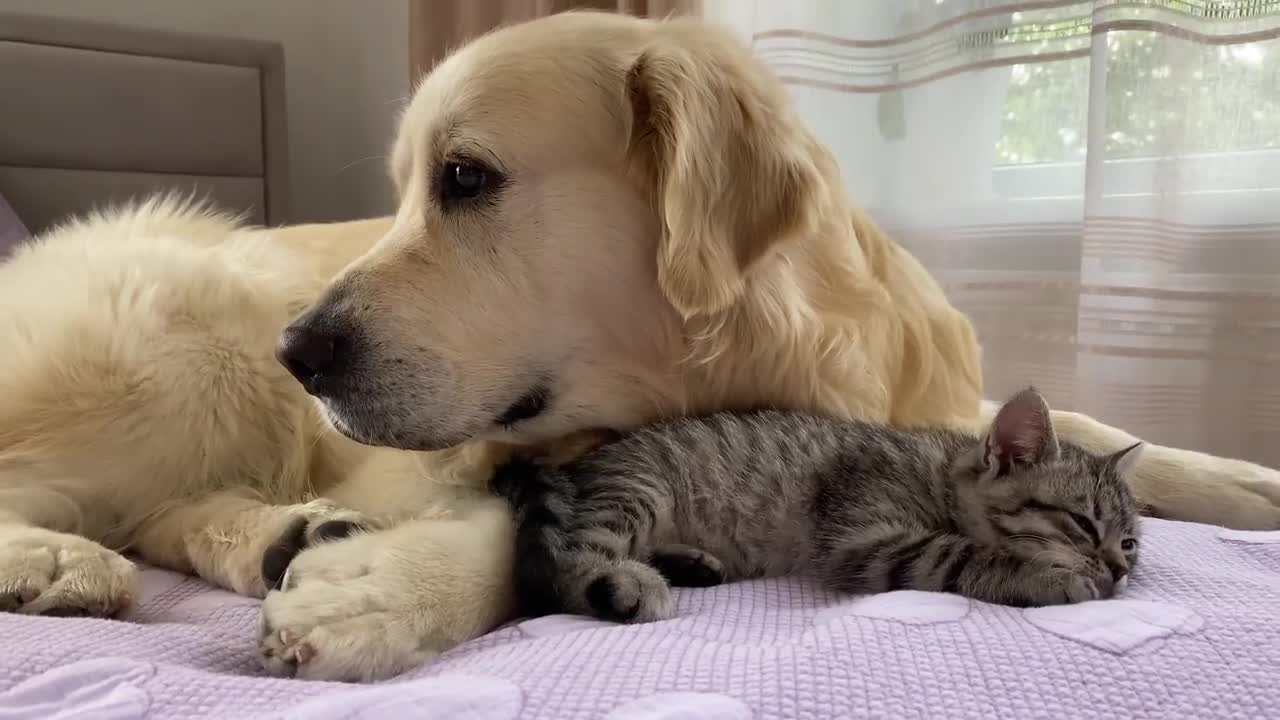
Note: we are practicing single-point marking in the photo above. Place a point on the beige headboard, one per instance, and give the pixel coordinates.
(96, 113)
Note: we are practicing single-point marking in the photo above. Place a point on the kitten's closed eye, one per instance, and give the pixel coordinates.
(1086, 526)
(1075, 525)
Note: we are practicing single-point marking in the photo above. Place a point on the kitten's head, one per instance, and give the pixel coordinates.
(1023, 490)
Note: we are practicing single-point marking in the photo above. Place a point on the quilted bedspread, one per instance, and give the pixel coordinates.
(1197, 635)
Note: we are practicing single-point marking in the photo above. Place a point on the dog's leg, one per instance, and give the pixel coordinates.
(224, 537)
(1183, 484)
(377, 604)
(47, 566)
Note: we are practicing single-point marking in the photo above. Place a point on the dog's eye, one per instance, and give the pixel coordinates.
(462, 180)
(1128, 545)
(468, 179)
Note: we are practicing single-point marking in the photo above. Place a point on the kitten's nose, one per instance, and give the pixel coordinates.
(1119, 570)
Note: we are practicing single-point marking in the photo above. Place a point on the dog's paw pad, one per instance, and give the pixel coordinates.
(335, 530)
(303, 532)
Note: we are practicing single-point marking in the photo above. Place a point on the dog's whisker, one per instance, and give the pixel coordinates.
(354, 163)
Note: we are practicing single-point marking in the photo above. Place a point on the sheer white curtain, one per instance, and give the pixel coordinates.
(1097, 184)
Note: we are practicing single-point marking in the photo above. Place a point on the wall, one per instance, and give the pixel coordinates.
(347, 72)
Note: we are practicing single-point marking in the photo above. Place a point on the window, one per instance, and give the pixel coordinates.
(1160, 109)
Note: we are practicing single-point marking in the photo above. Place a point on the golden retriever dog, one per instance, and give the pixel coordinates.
(603, 220)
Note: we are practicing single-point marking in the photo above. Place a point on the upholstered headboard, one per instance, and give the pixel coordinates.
(97, 113)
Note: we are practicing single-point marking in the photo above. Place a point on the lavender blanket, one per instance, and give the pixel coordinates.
(1196, 636)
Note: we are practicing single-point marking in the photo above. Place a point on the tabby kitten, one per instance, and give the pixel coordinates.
(1012, 517)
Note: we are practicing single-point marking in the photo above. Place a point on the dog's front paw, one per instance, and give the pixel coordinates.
(1194, 487)
(379, 603)
(50, 573)
(1252, 498)
(301, 638)
(344, 616)
(630, 592)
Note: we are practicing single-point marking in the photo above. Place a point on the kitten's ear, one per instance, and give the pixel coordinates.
(1022, 433)
(1125, 462)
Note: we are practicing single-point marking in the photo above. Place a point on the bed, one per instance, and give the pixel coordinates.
(1197, 635)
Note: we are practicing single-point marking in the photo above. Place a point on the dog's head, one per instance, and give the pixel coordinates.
(572, 191)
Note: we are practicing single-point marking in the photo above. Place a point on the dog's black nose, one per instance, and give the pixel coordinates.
(306, 352)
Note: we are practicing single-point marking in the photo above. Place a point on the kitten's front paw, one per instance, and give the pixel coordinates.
(685, 566)
(630, 592)
(1082, 589)
(50, 573)
(1085, 585)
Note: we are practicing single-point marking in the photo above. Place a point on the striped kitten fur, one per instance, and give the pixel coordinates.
(1012, 517)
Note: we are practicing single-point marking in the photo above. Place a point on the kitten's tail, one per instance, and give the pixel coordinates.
(543, 511)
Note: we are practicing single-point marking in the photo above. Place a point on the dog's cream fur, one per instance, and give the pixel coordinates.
(670, 239)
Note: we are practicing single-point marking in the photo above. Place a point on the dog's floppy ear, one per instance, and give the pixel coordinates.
(732, 170)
